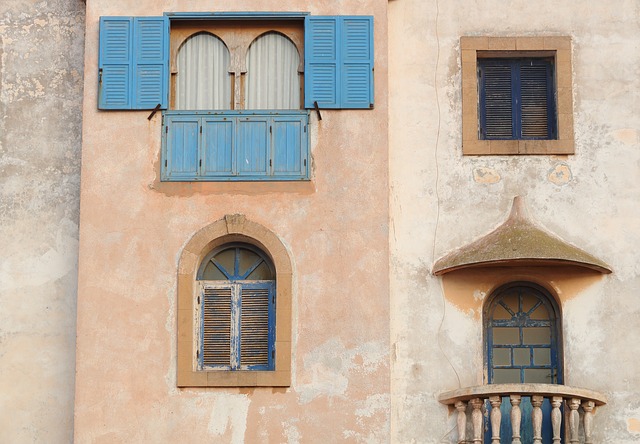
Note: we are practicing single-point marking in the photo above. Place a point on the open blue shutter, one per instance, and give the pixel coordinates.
(133, 63)
(151, 62)
(114, 63)
(215, 340)
(339, 61)
(181, 157)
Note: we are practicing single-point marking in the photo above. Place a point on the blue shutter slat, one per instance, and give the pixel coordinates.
(252, 145)
(288, 146)
(182, 148)
(151, 55)
(357, 62)
(321, 61)
(217, 146)
(114, 63)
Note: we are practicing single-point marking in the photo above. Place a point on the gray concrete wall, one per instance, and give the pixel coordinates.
(441, 200)
(41, 65)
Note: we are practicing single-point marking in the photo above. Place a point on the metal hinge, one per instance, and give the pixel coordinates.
(305, 162)
(270, 128)
(198, 354)
(270, 162)
(273, 354)
(200, 130)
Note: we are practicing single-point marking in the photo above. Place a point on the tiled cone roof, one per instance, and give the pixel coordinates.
(518, 242)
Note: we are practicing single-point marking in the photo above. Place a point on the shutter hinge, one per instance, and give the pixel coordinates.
(200, 163)
(100, 76)
(166, 129)
(273, 354)
(165, 163)
(270, 164)
(200, 130)
(305, 128)
(270, 129)
(305, 162)
(198, 299)
(198, 354)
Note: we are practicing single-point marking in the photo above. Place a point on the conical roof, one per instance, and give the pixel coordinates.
(518, 242)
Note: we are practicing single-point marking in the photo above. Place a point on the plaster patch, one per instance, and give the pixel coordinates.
(291, 431)
(628, 136)
(633, 425)
(230, 411)
(486, 175)
(479, 295)
(560, 174)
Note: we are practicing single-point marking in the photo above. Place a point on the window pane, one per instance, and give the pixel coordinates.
(536, 335)
(203, 80)
(501, 356)
(501, 313)
(538, 375)
(521, 356)
(262, 272)
(247, 259)
(272, 79)
(540, 314)
(541, 356)
(212, 273)
(506, 375)
(227, 259)
(506, 335)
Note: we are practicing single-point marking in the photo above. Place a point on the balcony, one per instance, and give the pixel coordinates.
(569, 417)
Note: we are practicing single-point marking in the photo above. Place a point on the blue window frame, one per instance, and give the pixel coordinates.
(517, 98)
(236, 310)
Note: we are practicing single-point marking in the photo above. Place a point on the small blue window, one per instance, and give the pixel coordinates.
(236, 309)
(517, 99)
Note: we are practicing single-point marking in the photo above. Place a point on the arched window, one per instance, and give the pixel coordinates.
(236, 309)
(272, 79)
(522, 335)
(203, 80)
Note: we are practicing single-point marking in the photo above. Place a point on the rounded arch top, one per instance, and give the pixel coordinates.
(548, 297)
(234, 228)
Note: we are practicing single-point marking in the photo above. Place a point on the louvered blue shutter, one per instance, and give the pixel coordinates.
(496, 100)
(181, 145)
(216, 329)
(537, 104)
(257, 326)
(339, 61)
(133, 63)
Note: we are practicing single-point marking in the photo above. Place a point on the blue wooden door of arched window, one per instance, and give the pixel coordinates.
(523, 345)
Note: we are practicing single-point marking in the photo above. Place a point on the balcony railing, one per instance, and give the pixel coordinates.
(561, 397)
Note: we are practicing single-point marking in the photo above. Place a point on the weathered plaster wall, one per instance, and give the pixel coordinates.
(133, 230)
(441, 200)
(41, 63)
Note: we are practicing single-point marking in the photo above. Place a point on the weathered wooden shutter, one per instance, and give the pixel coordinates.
(133, 63)
(217, 331)
(339, 61)
(257, 326)
(289, 145)
(181, 145)
(217, 146)
(536, 90)
(496, 101)
(252, 146)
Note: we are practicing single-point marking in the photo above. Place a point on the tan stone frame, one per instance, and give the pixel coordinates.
(473, 48)
(233, 228)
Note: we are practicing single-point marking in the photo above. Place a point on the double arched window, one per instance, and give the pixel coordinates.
(205, 81)
(236, 309)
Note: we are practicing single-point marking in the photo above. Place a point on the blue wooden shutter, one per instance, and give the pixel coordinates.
(216, 330)
(133, 63)
(151, 62)
(339, 61)
(252, 146)
(497, 112)
(114, 63)
(181, 145)
(537, 102)
(289, 151)
(217, 146)
(257, 326)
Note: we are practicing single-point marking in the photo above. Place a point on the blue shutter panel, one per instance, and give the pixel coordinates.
(217, 146)
(133, 62)
(114, 63)
(181, 157)
(252, 146)
(339, 61)
(357, 62)
(289, 146)
(151, 56)
(257, 326)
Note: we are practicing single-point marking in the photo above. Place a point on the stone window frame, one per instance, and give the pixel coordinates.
(558, 47)
(232, 228)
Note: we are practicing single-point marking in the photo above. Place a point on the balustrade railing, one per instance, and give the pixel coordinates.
(575, 400)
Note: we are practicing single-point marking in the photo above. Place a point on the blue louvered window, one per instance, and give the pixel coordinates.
(517, 99)
(269, 139)
(236, 310)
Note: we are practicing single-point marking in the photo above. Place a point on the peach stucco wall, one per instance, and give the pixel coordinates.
(133, 229)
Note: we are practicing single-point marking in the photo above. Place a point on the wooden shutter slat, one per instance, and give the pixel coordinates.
(534, 95)
(498, 100)
(216, 335)
(254, 326)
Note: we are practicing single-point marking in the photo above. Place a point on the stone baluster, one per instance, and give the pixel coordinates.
(476, 420)
(516, 417)
(536, 417)
(588, 407)
(496, 418)
(574, 420)
(461, 407)
(556, 418)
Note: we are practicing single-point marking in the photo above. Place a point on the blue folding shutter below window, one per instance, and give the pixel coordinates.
(181, 155)
(252, 146)
(339, 61)
(133, 63)
(217, 146)
(289, 145)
